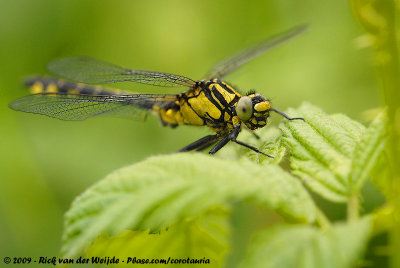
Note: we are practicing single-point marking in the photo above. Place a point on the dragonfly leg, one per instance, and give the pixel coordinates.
(252, 148)
(219, 145)
(255, 135)
(232, 137)
(200, 144)
(206, 145)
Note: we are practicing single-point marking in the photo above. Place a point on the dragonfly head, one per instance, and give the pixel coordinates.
(253, 110)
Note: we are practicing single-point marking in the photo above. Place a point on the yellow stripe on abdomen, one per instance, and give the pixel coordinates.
(53, 85)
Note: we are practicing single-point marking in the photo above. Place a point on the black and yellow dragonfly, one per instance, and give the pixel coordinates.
(208, 102)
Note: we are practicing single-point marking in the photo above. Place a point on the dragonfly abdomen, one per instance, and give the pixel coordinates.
(40, 84)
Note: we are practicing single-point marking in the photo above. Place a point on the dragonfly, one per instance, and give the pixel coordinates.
(208, 102)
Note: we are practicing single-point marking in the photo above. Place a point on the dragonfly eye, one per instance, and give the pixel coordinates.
(244, 108)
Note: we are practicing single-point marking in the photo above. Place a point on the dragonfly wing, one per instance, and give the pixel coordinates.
(232, 63)
(92, 71)
(81, 107)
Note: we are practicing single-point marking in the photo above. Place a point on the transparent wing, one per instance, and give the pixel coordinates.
(81, 107)
(232, 63)
(92, 71)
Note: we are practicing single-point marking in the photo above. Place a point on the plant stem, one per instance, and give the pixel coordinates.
(353, 208)
(322, 221)
(381, 19)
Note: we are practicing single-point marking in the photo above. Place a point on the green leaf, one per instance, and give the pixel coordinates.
(381, 176)
(269, 142)
(383, 219)
(202, 237)
(332, 154)
(166, 190)
(367, 151)
(305, 246)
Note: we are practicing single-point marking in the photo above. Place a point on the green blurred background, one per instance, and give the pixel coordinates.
(45, 163)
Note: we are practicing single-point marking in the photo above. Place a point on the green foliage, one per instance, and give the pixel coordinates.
(306, 246)
(380, 20)
(206, 235)
(179, 205)
(332, 154)
(367, 151)
(164, 190)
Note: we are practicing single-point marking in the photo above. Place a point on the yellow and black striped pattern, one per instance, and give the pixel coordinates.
(38, 85)
(260, 115)
(212, 103)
